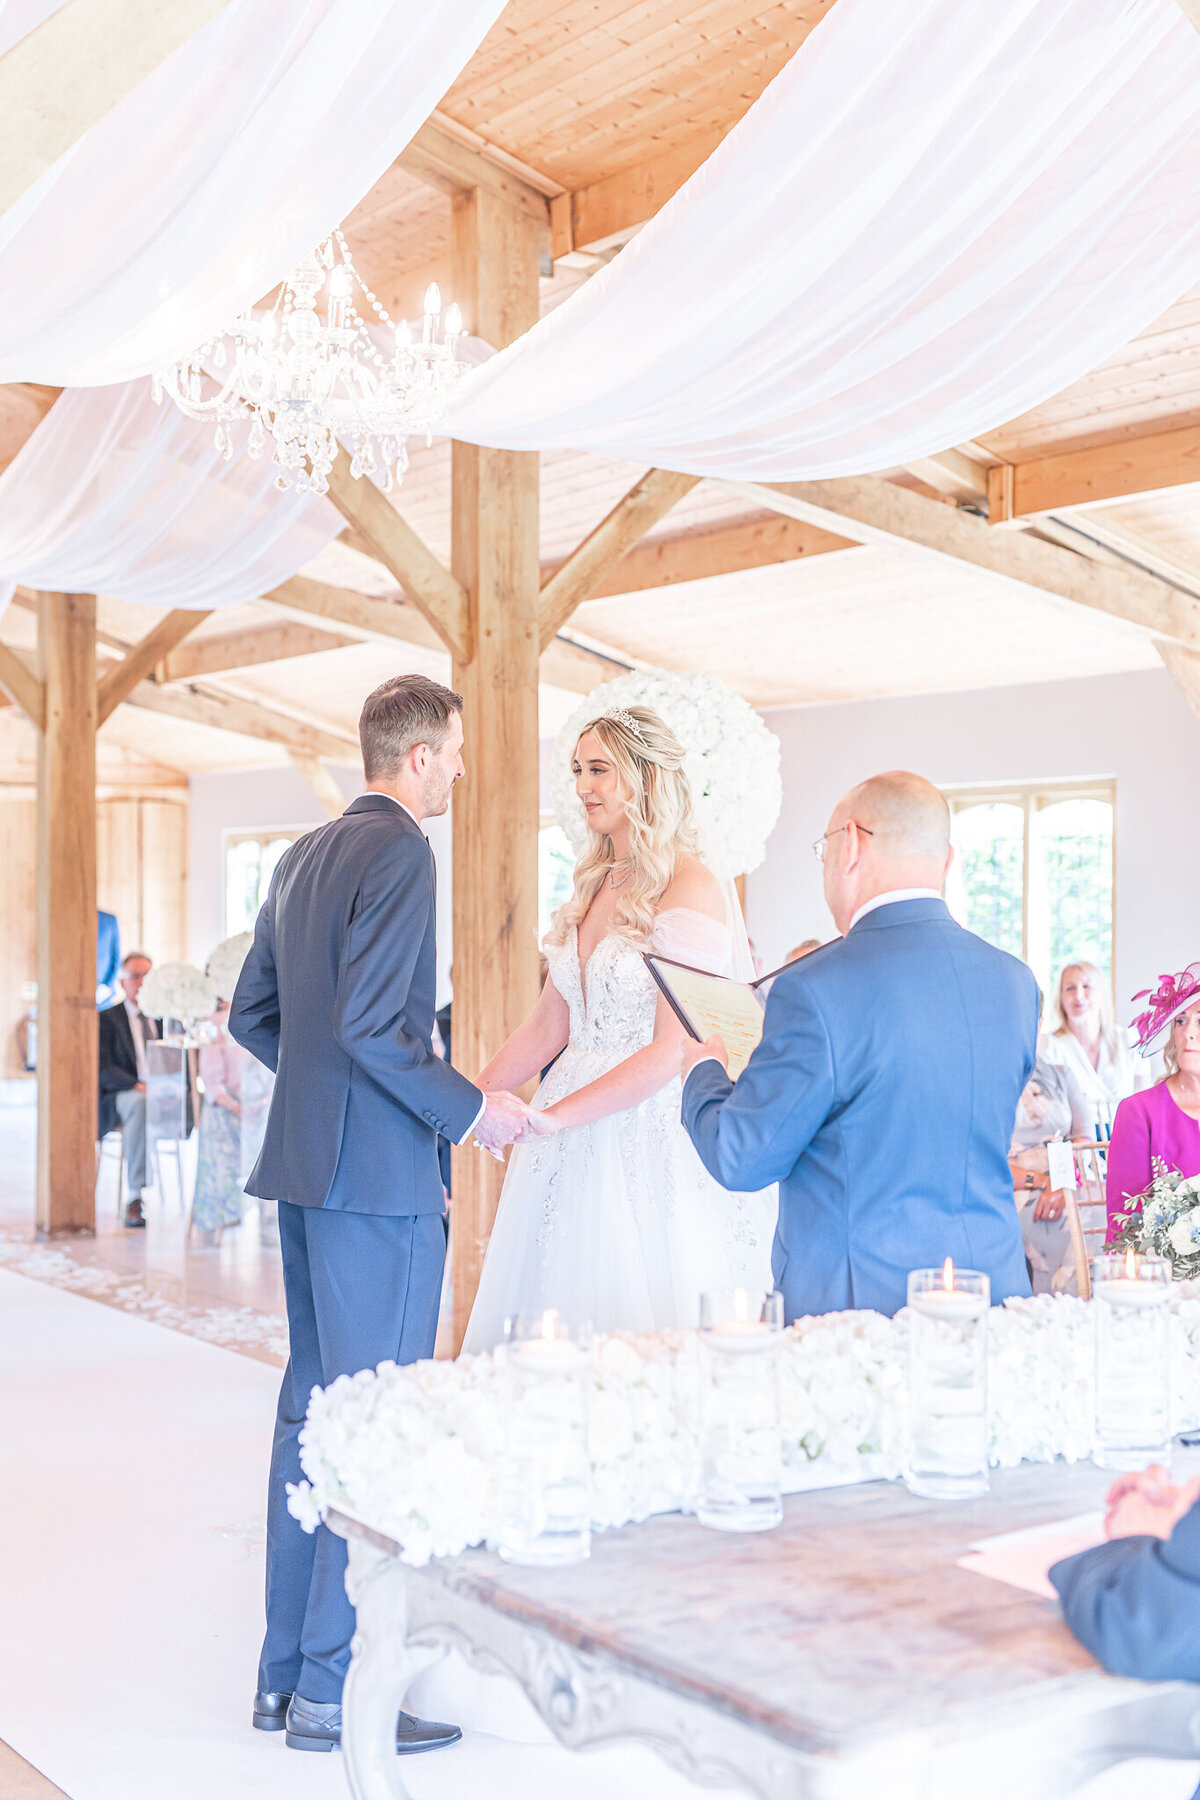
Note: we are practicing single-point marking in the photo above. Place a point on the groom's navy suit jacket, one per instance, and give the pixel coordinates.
(1135, 1602)
(882, 1099)
(337, 996)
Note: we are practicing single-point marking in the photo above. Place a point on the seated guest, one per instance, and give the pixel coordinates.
(1162, 1122)
(1087, 1042)
(803, 949)
(1134, 1602)
(882, 1095)
(1051, 1108)
(218, 1200)
(123, 1033)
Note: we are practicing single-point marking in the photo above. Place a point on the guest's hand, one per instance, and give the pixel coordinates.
(1147, 1505)
(694, 1053)
(503, 1121)
(1050, 1204)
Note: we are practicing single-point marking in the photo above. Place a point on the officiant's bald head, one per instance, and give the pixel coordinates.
(891, 831)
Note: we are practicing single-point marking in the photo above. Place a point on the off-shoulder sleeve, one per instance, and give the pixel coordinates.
(694, 938)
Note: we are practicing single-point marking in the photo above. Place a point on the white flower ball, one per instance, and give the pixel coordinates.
(225, 963)
(732, 762)
(1184, 1235)
(177, 990)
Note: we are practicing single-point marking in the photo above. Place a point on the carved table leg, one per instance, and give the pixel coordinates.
(378, 1674)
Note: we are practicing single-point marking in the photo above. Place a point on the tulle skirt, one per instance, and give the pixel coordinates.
(617, 1224)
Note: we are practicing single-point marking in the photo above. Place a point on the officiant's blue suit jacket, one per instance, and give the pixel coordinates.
(1135, 1602)
(337, 996)
(882, 1099)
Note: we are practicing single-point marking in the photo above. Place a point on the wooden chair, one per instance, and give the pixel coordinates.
(1087, 1213)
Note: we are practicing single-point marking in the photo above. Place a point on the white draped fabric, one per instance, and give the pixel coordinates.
(939, 214)
(113, 494)
(203, 187)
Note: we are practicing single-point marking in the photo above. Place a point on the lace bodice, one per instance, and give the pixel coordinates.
(612, 999)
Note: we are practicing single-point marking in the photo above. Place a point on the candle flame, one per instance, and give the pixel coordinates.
(550, 1323)
(741, 1305)
(948, 1274)
(1131, 1265)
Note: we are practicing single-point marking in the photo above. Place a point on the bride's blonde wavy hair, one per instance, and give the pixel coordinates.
(650, 765)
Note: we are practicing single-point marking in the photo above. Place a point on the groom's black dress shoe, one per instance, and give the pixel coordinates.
(313, 1725)
(270, 1711)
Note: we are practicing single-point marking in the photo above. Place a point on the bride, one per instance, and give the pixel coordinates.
(611, 1218)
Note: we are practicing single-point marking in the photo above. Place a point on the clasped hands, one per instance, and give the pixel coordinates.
(506, 1119)
(1147, 1505)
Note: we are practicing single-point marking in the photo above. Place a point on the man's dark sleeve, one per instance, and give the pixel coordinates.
(1135, 1602)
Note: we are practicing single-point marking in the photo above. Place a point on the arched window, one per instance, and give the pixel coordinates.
(250, 859)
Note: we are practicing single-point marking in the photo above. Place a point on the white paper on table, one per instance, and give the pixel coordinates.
(1061, 1165)
(1022, 1558)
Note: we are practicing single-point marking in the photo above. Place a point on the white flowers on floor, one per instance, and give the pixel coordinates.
(732, 762)
(416, 1452)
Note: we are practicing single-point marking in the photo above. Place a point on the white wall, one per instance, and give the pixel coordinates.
(1135, 728)
(264, 799)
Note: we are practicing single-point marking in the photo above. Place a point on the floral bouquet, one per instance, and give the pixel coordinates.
(1168, 1223)
(177, 990)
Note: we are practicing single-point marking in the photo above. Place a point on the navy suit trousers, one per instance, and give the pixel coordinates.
(362, 1288)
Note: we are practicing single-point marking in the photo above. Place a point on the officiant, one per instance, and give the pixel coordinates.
(882, 1095)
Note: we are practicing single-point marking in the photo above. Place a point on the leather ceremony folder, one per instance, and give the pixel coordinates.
(710, 1005)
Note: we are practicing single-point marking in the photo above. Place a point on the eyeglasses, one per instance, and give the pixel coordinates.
(822, 843)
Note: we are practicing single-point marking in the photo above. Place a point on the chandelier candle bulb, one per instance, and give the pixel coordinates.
(546, 1475)
(1131, 1297)
(741, 1438)
(947, 1382)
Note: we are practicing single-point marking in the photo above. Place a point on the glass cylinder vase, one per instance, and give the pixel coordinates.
(1131, 1297)
(947, 1382)
(741, 1440)
(546, 1481)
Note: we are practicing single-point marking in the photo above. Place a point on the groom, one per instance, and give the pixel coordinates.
(337, 996)
(883, 1093)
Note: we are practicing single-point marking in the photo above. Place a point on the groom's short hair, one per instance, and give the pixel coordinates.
(401, 713)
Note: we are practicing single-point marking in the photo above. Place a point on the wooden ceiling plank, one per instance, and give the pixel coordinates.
(246, 649)
(247, 718)
(117, 683)
(1110, 472)
(893, 518)
(647, 501)
(753, 543)
(21, 687)
(427, 582)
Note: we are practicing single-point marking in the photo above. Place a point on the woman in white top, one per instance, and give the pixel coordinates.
(1087, 1043)
(613, 1220)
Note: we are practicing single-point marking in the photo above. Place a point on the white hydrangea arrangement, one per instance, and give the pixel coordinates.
(225, 963)
(177, 990)
(732, 762)
(1168, 1224)
(417, 1452)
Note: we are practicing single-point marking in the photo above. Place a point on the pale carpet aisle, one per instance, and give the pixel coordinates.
(131, 1476)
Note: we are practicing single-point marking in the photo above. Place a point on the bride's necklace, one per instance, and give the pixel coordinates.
(624, 878)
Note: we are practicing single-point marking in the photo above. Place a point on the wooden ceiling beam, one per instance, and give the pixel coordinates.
(757, 542)
(247, 718)
(65, 75)
(117, 683)
(246, 649)
(322, 783)
(427, 582)
(454, 167)
(619, 203)
(1183, 666)
(893, 518)
(21, 687)
(1094, 476)
(647, 501)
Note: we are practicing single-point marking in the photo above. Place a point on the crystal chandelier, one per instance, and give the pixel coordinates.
(308, 380)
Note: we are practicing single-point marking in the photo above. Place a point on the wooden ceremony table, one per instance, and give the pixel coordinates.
(843, 1656)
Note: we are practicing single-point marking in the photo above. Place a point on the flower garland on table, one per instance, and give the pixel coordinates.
(177, 990)
(732, 762)
(1167, 1222)
(417, 1452)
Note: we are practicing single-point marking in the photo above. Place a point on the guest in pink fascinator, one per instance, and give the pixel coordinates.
(1161, 1122)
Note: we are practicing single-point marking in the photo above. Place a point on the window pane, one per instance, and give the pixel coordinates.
(556, 868)
(985, 887)
(1075, 842)
(241, 886)
(271, 853)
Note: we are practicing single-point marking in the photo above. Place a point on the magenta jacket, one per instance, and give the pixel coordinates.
(1146, 1125)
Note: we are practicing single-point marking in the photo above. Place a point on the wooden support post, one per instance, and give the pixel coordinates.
(495, 557)
(66, 917)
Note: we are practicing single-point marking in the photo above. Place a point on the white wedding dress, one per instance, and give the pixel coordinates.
(618, 1224)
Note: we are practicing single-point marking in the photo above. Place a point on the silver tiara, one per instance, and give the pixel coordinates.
(626, 719)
